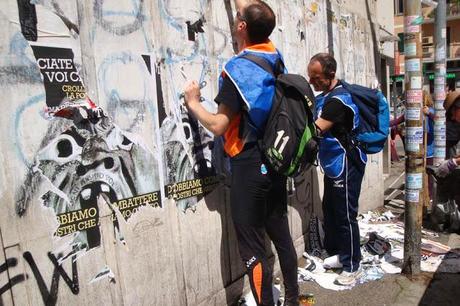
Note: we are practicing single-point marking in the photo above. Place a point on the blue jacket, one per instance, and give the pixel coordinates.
(331, 152)
(257, 88)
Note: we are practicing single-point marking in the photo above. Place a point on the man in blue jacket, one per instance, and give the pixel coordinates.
(258, 196)
(343, 163)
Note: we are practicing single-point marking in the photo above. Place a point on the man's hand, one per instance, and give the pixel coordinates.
(446, 167)
(192, 93)
(215, 123)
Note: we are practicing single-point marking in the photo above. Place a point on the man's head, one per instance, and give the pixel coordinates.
(452, 106)
(254, 23)
(321, 71)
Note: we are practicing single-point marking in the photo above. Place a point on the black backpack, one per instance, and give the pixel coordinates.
(289, 140)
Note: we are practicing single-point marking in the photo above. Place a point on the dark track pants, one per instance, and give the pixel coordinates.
(252, 247)
(259, 207)
(340, 209)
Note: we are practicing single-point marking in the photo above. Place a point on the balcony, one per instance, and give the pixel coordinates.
(452, 12)
(453, 9)
(453, 51)
(428, 47)
(428, 53)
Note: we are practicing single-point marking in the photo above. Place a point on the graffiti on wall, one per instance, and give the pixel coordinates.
(132, 146)
(86, 159)
(191, 154)
(13, 280)
(48, 293)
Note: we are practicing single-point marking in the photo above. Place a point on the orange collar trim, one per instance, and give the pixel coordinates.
(263, 47)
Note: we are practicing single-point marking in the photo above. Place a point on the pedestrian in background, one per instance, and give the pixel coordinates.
(428, 111)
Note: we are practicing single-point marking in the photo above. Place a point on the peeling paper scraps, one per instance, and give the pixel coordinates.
(104, 273)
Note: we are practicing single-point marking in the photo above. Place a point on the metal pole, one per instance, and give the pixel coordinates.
(415, 156)
(440, 84)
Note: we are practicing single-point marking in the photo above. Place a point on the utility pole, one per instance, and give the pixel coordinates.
(414, 147)
(440, 84)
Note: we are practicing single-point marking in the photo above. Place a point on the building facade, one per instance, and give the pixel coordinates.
(428, 44)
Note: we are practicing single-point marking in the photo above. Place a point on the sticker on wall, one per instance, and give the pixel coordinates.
(414, 181)
(416, 82)
(411, 24)
(440, 54)
(414, 137)
(439, 104)
(439, 80)
(417, 21)
(412, 147)
(439, 87)
(440, 95)
(441, 70)
(409, 36)
(439, 152)
(440, 120)
(439, 129)
(440, 140)
(414, 96)
(413, 65)
(412, 195)
(414, 134)
(412, 114)
(410, 49)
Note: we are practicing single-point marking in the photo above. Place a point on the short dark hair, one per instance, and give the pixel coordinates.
(328, 63)
(260, 20)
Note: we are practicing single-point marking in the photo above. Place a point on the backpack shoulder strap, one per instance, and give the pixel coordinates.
(264, 64)
(336, 91)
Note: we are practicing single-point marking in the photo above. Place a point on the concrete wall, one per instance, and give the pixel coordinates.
(131, 206)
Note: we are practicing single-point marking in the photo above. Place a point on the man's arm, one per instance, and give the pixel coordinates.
(397, 121)
(216, 123)
(323, 124)
(333, 111)
(447, 166)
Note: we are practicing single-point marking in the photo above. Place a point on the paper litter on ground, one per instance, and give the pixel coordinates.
(435, 256)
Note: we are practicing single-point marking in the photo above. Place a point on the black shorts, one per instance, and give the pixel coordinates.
(257, 192)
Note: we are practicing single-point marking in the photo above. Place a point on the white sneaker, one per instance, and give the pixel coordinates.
(332, 262)
(348, 278)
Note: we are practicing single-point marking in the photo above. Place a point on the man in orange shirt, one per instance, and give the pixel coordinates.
(258, 193)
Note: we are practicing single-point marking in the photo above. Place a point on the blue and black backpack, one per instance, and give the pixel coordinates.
(374, 117)
(288, 140)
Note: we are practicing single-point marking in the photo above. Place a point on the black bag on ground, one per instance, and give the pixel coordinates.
(289, 141)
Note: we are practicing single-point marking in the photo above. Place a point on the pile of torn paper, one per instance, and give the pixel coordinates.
(382, 239)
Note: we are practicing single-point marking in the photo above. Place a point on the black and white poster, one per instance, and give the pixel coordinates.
(191, 154)
(60, 76)
(97, 161)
